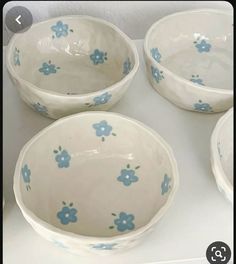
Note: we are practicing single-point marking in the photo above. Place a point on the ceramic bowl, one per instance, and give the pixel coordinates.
(70, 64)
(222, 154)
(189, 59)
(95, 182)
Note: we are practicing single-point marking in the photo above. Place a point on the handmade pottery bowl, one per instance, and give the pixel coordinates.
(70, 64)
(222, 154)
(95, 182)
(189, 59)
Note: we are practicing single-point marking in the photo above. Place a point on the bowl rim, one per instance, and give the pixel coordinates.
(174, 75)
(218, 171)
(37, 221)
(112, 87)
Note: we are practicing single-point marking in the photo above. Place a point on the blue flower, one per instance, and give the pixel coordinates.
(40, 108)
(104, 246)
(196, 79)
(62, 158)
(102, 128)
(157, 75)
(165, 184)
(98, 57)
(60, 29)
(156, 54)
(203, 46)
(127, 176)
(127, 66)
(25, 172)
(59, 244)
(102, 99)
(16, 57)
(124, 222)
(48, 68)
(67, 214)
(202, 107)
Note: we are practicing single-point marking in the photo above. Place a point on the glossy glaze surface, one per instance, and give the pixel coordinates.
(189, 59)
(70, 64)
(86, 174)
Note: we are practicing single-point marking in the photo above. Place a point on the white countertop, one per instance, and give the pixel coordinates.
(198, 216)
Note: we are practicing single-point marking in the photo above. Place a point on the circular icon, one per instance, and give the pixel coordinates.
(18, 19)
(218, 253)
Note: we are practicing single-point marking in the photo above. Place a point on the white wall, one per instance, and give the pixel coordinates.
(133, 17)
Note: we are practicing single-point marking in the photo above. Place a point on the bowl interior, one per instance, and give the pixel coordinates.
(72, 55)
(96, 175)
(225, 143)
(197, 46)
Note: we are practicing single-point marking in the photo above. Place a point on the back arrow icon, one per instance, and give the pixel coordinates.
(17, 19)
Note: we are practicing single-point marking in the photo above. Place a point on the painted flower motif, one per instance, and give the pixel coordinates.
(40, 108)
(103, 246)
(62, 157)
(202, 107)
(124, 222)
(165, 185)
(219, 150)
(59, 244)
(98, 57)
(16, 57)
(156, 74)
(156, 54)
(48, 68)
(67, 214)
(103, 129)
(102, 99)
(127, 66)
(60, 29)
(26, 173)
(202, 46)
(196, 79)
(127, 176)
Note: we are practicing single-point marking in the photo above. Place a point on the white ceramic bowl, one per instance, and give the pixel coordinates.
(70, 64)
(189, 59)
(95, 182)
(222, 154)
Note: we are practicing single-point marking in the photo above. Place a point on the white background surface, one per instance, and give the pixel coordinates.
(132, 17)
(199, 214)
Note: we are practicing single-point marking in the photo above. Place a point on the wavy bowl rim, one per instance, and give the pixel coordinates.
(36, 221)
(171, 73)
(112, 87)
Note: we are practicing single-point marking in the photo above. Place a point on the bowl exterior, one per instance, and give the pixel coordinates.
(220, 183)
(223, 184)
(57, 106)
(183, 93)
(86, 247)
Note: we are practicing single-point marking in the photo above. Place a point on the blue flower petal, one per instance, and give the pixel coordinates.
(130, 226)
(102, 128)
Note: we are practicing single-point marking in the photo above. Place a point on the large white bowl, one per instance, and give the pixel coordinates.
(70, 64)
(222, 141)
(95, 182)
(189, 59)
